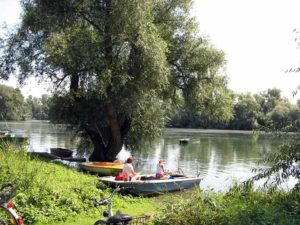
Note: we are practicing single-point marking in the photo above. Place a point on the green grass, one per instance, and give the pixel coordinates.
(242, 206)
(50, 193)
(136, 208)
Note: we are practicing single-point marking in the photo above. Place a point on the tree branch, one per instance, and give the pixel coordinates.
(90, 22)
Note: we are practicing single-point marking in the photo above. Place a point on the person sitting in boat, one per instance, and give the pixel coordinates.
(128, 171)
(161, 172)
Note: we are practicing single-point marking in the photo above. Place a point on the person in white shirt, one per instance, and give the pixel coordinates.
(128, 171)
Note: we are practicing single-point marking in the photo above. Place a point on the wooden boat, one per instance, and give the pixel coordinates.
(47, 155)
(149, 185)
(61, 152)
(102, 168)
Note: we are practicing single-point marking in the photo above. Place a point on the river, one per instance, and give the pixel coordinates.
(220, 157)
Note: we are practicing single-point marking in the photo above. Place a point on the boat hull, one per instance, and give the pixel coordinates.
(153, 186)
(61, 152)
(14, 139)
(184, 141)
(102, 168)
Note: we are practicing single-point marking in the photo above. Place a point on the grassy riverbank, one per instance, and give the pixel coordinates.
(50, 193)
(239, 206)
(53, 194)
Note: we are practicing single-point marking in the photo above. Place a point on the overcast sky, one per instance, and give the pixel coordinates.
(256, 35)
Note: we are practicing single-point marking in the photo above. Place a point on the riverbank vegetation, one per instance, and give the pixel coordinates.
(237, 206)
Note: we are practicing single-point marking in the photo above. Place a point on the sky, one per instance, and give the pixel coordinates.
(258, 40)
(256, 36)
(10, 11)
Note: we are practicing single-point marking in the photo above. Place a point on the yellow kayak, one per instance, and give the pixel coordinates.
(102, 168)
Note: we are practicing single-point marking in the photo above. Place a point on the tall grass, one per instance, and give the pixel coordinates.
(243, 206)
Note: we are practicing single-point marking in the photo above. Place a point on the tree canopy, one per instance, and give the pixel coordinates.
(117, 66)
(38, 108)
(12, 105)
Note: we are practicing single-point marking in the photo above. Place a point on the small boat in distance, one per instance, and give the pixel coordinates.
(61, 152)
(12, 136)
(102, 168)
(184, 141)
(149, 185)
(5, 133)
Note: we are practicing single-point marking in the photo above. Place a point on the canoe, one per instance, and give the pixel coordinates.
(47, 155)
(102, 168)
(149, 185)
(61, 152)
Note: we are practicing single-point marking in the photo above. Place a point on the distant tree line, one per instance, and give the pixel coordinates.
(267, 109)
(247, 112)
(38, 108)
(13, 105)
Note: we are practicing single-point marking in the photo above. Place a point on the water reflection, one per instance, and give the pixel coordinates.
(42, 135)
(220, 157)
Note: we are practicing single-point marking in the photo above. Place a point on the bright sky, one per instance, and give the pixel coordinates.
(256, 36)
(258, 40)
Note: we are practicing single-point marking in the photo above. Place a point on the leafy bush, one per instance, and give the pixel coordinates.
(237, 206)
(284, 164)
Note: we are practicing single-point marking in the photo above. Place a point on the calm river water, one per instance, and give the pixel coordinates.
(220, 157)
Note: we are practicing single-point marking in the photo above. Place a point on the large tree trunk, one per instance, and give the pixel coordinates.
(105, 153)
(101, 152)
(108, 146)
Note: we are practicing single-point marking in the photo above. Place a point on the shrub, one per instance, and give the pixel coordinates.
(240, 205)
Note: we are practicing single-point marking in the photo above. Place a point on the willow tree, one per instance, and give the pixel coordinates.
(115, 64)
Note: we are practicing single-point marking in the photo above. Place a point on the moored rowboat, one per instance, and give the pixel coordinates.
(12, 136)
(184, 141)
(102, 168)
(148, 185)
(61, 152)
